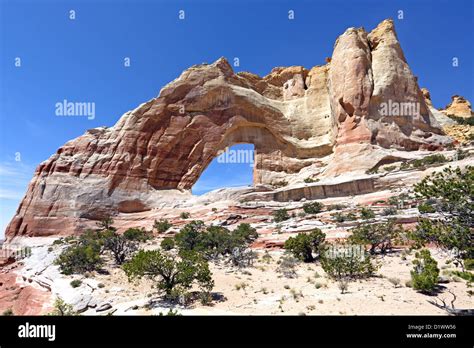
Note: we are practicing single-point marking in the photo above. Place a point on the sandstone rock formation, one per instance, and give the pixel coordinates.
(440, 117)
(458, 107)
(293, 116)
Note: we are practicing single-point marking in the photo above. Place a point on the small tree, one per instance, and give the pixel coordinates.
(425, 274)
(173, 275)
(79, 259)
(379, 236)
(389, 211)
(189, 237)
(185, 215)
(303, 245)
(61, 308)
(451, 195)
(167, 243)
(367, 213)
(214, 241)
(120, 247)
(137, 234)
(94, 239)
(346, 262)
(280, 215)
(245, 232)
(426, 208)
(162, 225)
(106, 224)
(312, 208)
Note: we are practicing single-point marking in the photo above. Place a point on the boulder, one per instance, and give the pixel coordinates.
(80, 303)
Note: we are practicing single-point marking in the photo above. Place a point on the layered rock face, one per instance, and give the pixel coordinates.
(293, 116)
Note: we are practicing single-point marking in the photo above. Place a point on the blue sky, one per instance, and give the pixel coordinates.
(82, 60)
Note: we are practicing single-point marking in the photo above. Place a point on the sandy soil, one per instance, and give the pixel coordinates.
(261, 290)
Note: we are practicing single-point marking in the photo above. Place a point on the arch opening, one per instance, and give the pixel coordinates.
(232, 167)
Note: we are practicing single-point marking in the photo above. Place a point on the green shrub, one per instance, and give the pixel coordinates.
(336, 207)
(106, 224)
(167, 243)
(379, 235)
(175, 276)
(185, 215)
(80, 259)
(93, 238)
(312, 208)
(170, 313)
(425, 274)
(220, 241)
(338, 217)
(367, 213)
(189, 237)
(351, 217)
(61, 308)
(213, 241)
(460, 155)
(343, 285)
(58, 241)
(389, 211)
(75, 283)
(137, 234)
(245, 232)
(281, 183)
(463, 120)
(465, 275)
(303, 245)
(405, 165)
(423, 162)
(469, 264)
(8, 312)
(374, 170)
(428, 160)
(287, 266)
(452, 190)
(346, 262)
(426, 208)
(310, 180)
(120, 246)
(162, 225)
(280, 215)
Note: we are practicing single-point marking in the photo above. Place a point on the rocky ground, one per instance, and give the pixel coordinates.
(256, 290)
(30, 285)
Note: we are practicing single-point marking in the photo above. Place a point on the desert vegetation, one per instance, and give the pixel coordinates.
(183, 265)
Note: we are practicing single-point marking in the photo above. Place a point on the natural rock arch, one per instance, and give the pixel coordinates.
(293, 116)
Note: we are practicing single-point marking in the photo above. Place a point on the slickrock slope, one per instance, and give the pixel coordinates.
(295, 118)
(440, 117)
